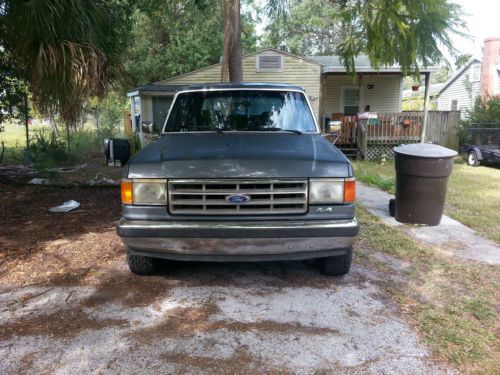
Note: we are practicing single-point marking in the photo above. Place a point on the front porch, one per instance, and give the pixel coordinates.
(375, 138)
(368, 105)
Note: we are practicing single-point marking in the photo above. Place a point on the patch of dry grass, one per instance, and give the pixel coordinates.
(453, 303)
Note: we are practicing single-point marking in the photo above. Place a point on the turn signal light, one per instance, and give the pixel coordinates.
(349, 190)
(127, 192)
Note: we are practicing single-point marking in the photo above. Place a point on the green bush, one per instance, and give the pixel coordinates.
(46, 149)
(485, 112)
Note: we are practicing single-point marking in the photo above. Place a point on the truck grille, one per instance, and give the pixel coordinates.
(209, 197)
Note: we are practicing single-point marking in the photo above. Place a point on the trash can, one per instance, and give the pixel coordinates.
(116, 149)
(422, 171)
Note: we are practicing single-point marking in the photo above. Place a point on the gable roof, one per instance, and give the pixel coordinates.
(244, 56)
(458, 73)
(332, 64)
(153, 88)
(329, 64)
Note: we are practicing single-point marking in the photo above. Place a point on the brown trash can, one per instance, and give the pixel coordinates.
(422, 171)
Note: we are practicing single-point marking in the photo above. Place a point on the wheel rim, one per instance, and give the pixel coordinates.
(472, 158)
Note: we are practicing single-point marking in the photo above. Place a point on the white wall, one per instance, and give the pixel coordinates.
(384, 97)
(458, 90)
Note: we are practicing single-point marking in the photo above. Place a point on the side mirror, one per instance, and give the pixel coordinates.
(147, 127)
(334, 127)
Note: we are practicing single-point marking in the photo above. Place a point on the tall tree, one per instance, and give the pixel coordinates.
(67, 50)
(232, 68)
(404, 32)
(461, 60)
(308, 28)
(172, 37)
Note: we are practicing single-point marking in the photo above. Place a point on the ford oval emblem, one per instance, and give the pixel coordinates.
(237, 198)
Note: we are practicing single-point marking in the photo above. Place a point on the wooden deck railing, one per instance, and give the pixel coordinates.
(391, 128)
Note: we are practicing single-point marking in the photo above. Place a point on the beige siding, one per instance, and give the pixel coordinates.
(458, 90)
(332, 92)
(296, 71)
(384, 97)
(147, 108)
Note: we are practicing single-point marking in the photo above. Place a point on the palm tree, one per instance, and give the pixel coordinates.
(67, 50)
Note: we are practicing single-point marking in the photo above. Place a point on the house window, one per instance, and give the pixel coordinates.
(476, 73)
(350, 100)
(269, 63)
(454, 105)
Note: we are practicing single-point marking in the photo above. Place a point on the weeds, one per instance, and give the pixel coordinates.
(473, 196)
(452, 302)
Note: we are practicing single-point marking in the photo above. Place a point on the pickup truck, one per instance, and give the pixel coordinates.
(241, 172)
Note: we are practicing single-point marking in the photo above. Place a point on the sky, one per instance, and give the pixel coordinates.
(483, 21)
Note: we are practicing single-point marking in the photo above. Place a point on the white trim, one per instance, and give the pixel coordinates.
(318, 130)
(342, 90)
(472, 69)
(458, 104)
(496, 87)
(133, 93)
(401, 85)
(338, 69)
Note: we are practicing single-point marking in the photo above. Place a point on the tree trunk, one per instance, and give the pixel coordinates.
(232, 68)
(97, 114)
(52, 121)
(26, 124)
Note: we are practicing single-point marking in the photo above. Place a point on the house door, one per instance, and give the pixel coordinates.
(350, 100)
(161, 105)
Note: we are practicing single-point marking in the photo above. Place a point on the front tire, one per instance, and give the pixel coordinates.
(141, 265)
(336, 265)
(472, 159)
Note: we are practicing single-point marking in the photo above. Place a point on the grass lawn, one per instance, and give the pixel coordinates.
(452, 303)
(15, 135)
(473, 196)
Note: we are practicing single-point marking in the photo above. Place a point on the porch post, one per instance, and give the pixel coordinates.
(427, 76)
(360, 93)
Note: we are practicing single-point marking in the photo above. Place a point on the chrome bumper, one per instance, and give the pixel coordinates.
(219, 241)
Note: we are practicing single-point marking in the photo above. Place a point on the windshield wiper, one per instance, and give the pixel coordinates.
(275, 129)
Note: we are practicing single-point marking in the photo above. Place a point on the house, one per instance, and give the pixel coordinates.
(414, 100)
(480, 77)
(331, 90)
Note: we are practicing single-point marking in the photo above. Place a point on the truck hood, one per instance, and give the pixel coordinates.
(239, 155)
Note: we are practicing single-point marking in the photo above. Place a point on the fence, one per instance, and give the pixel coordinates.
(377, 137)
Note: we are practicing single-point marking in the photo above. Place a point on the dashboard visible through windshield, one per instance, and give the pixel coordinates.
(240, 110)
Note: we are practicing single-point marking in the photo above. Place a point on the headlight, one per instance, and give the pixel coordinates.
(144, 191)
(332, 190)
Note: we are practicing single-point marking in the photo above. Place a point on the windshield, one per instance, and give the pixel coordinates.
(240, 110)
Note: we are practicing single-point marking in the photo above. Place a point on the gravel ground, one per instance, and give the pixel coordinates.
(210, 318)
(68, 304)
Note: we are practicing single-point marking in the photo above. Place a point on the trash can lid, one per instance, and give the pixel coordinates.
(425, 150)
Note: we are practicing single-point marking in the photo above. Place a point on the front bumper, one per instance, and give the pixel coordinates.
(238, 241)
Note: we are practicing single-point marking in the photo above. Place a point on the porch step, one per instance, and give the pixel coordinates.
(351, 151)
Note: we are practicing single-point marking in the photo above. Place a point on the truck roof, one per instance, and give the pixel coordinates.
(241, 85)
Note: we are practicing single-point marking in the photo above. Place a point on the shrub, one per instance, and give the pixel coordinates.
(46, 149)
(484, 112)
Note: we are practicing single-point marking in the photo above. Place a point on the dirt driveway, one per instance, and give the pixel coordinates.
(69, 305)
